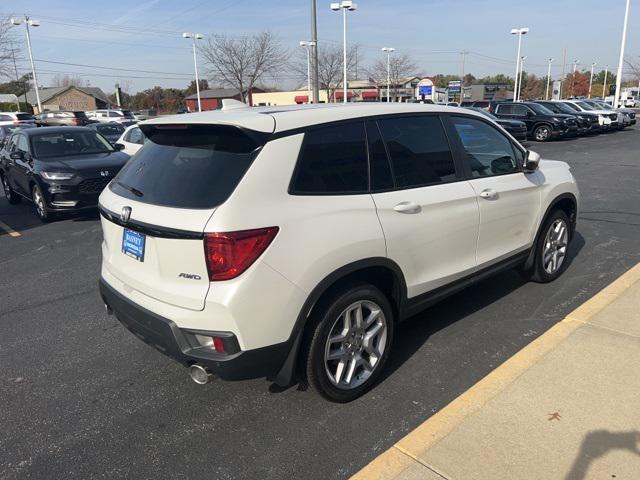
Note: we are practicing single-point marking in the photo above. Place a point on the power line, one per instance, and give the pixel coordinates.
(112, 68)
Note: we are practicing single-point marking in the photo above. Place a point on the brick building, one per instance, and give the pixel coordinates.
(68, 98)
(211, 99)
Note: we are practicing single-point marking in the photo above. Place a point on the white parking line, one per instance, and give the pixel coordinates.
(8, 229)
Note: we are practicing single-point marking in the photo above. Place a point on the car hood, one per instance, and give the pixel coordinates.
(90, 164)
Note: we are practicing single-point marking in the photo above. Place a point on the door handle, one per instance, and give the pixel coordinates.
(407, 207)
(489, 194)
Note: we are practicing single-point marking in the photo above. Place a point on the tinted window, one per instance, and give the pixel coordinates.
(333, 160)
(505, 109)
(381, 178)
(135, 136)
(419, 150)
(194, 166)
(78, 142)
(110, 129)
(540, 109)
(520, 110)
(573, 107)
(25, 116)
(488, 151)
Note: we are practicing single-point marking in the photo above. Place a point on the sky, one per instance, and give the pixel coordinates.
(138, 44)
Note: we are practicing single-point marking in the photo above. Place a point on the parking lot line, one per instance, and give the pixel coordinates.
(391, 463)
(8, 229)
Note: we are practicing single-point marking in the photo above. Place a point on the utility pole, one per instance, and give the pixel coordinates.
(314, 54)
(591, 78)
(546, 93)
(616, 101)
(464, 54)
(564, 69)
(604, 85)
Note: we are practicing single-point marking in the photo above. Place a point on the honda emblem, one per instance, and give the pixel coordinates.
(104, 173)
(125, 214)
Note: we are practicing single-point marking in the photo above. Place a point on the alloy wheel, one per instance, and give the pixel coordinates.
(356, 344)
(39, 203)
(554, 249)
(542, 134)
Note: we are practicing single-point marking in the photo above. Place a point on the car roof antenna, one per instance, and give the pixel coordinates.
(229, 104)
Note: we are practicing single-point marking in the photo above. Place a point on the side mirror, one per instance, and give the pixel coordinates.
(531, 161)
(17, 155)
(118, 146)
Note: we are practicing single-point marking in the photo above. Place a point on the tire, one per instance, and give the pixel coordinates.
(12, 197)
(554, 237)
(542, 133)
(40, 205)
(346, 367)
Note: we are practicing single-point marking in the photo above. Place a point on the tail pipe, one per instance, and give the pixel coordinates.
(200, 374)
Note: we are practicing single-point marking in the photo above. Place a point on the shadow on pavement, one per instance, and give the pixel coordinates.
(598, 443)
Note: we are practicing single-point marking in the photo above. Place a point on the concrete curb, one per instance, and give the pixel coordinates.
(405, 453)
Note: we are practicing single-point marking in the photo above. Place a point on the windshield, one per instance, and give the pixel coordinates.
(187, 166)
(110, 129)
(604, 106)
(559, 107)
(573, 107)
(68, 143)
(25, 116)
(585, 105)
(540, 109)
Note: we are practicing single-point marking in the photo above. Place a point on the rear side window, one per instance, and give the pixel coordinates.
(333, 161)
(419, 150)
(188, 166)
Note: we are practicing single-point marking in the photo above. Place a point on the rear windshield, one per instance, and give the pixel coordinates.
(80, 114)
(25, 116)
(110, 129)
(69, 143)
(188, 166)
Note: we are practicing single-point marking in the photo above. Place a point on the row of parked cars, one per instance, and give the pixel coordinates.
(64, 166)
(544, 120)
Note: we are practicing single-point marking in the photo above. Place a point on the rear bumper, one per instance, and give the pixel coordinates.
(165, 336)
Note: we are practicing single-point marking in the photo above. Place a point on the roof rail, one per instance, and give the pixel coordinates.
(231, 104)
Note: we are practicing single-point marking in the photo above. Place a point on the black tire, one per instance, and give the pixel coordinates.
(538, 272)
(40, 205)
(324, 321)
(12, 197)
(542, 133)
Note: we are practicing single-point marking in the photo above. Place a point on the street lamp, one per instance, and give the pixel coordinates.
(520, 32)
(388, 51)
(344, 5)
(591, 78)
(573, 76)
(522, 59)
(308, 46)
(546, 93)
(28, 22)
(194, 37)
(616, 101)
(604, 85)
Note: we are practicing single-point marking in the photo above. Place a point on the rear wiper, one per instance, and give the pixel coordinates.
(135, 191)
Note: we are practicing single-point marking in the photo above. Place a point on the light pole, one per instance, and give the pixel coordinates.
(344, 5)
(604, 85)
(464, 54)
(308, 46)
(194, 37)
(388, 51)
(314, 54)
(30, 23)
(522, 59)
(520, 32)
(616, 101)
(546, 93)
(591, 78)
(573, 75)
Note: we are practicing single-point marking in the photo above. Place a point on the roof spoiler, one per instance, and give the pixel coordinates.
(229, 104)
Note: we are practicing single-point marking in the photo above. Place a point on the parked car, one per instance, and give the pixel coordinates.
(269, 242)
(16, 118)
(630, 113)
(62, 118)
(516, 128)
(609, 119)
(542, 124)
(111, 131)
(131, 140)
(182, 110)
(138, 116)
(125, 117)
(587, 122)
(7, 130)
(59, 169)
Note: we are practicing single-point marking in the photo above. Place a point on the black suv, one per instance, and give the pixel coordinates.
(58, 168)
(587, 122)
(542, 123)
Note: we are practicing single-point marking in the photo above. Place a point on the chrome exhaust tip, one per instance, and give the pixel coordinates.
(200, 374)
(108, 309)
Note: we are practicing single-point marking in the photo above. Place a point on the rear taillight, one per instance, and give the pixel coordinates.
(229, 254)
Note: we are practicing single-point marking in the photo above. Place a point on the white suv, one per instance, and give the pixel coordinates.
(288, 242)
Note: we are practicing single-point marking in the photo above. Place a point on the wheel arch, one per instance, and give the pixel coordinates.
(381, 272)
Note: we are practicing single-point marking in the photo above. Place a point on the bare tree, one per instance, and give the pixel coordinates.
(330, 67)
(60, 80)
(6, 49)
(634, 67)
(400, 67)
(243, 62)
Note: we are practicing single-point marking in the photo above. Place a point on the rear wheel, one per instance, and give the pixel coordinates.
(542, 133)
(12, 197)
(349, 343)
(40, 204)
(551, 248)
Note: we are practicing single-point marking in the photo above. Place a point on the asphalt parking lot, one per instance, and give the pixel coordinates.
(83, 398)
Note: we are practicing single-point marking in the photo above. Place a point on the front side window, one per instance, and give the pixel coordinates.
(333, 161)
(419, 150)
(488, 151)
(135, 136)
(22, 144)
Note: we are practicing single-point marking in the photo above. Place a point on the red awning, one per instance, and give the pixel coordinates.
(370, 94)
(340, 94)
(302, 99)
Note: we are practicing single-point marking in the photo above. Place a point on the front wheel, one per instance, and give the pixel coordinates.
(349, 343)
(40, 204)
(551, 248)
(542, 133)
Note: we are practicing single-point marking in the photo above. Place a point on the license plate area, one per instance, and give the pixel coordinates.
(133, 244)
